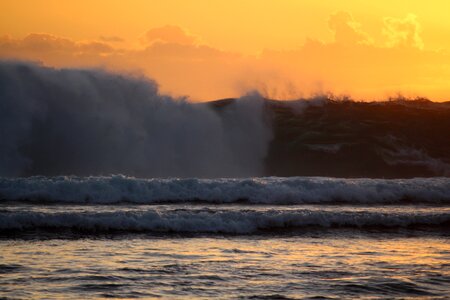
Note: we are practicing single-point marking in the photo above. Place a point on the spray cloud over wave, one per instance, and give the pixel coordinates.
(90, 122)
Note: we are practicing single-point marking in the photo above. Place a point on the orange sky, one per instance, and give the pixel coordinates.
(214, 49)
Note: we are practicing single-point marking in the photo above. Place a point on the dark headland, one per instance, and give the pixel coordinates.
(343, 138)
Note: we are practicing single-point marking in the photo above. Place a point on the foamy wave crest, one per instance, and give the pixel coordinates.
(215, 221)
(272, 190)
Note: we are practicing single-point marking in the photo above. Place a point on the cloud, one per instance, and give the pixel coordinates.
(111, 39)
(47, 43)
(182, 51)
(200, 71)
(403, 32)
(346, 30)
(352, 64)
(169, 34)
(95, 47)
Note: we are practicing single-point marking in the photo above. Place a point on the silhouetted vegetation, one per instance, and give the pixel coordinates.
(336, 136)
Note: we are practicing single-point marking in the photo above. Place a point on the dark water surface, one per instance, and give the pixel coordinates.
(330, 264)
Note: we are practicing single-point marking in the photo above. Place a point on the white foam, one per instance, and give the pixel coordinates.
(272, 190)
(215, 221)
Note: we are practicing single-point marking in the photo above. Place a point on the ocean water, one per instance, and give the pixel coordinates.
(260, 238)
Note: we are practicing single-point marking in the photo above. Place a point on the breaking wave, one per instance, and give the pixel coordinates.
(270, 190)
(91, 122)
(216, 221)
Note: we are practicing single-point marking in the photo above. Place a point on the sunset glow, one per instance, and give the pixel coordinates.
(239, 149)
(208, 50)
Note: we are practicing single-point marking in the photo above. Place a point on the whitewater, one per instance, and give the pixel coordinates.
(120, 204)
(269, 190)
(250, 238)
(235, 206)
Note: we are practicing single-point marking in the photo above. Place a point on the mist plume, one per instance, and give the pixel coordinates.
(91, 122)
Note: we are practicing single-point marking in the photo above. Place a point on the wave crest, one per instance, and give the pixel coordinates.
(236, 222)
(271, 190)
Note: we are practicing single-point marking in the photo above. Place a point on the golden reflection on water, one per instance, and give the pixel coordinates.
(233, 265)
